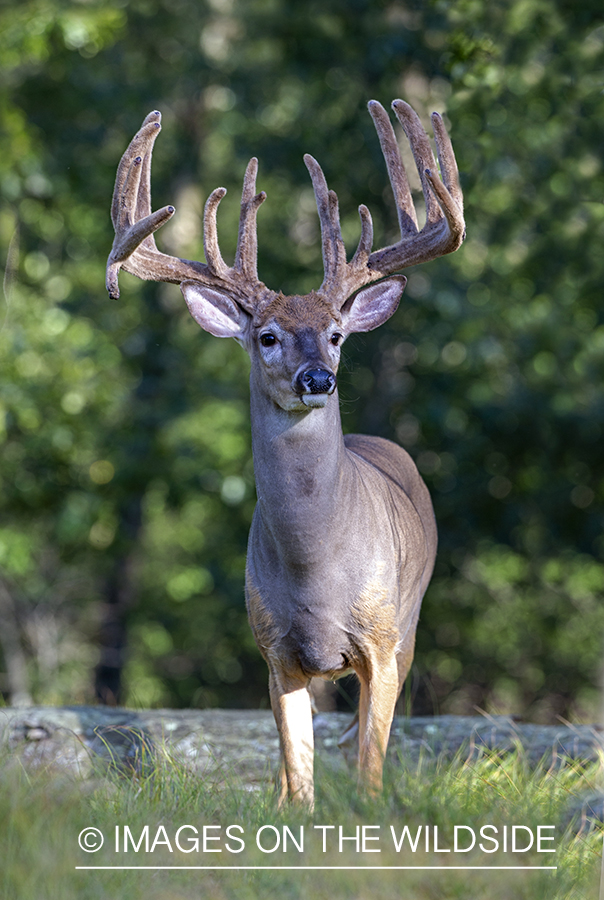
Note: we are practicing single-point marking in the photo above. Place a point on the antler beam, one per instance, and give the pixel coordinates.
(442, 233)
(134, 248)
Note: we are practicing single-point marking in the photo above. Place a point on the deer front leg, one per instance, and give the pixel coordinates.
(379, 693)
(290, 702)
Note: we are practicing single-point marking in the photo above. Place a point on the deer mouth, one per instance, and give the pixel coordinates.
(314, 401)
(314, 387)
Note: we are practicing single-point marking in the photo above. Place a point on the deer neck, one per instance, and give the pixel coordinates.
(299, 460)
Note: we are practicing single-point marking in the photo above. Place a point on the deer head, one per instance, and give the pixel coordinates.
(294, 342)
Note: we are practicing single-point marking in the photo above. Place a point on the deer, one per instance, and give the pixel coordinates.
(343, 538)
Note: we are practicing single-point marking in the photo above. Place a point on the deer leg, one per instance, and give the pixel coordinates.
(379, 693)
(404, 659)
(349, 740)
(291, 705)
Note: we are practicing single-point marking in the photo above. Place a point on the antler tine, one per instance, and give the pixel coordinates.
(446, 159)
(422, 153)
(405, 209)
(246, 257)
(210, 233)
(359, 260)
(138, 144)
(334, 252)
(143, 206)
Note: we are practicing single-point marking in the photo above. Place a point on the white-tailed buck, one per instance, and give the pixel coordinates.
(343, 539)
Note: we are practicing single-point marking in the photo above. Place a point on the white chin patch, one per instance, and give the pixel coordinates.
(314, 401)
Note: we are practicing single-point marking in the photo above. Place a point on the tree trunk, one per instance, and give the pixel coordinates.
(120, 595)
(14, 656)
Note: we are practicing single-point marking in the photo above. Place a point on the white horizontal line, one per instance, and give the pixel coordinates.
(326, 868)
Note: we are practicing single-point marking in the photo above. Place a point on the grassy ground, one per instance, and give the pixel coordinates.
(42, 816)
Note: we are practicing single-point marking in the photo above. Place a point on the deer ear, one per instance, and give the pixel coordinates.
(214, 311)
(373, 305)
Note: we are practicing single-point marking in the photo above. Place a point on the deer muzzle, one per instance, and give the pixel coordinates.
(314, 386)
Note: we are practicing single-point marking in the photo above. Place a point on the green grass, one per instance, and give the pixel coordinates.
(42, 814)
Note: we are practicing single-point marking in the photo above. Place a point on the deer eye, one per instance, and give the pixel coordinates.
(267, 339)
(335, 339)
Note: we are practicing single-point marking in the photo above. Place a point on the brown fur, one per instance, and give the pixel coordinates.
(294, 313)
(262, 624)
(375, 622)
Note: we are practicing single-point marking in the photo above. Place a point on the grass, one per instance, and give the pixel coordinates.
(42, 815)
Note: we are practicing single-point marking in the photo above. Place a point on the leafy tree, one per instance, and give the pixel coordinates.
(127, 481)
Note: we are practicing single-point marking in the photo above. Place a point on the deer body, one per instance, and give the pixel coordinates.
(343, 538)
(335, 579)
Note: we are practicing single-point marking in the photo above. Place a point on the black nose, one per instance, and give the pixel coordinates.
(316, 381)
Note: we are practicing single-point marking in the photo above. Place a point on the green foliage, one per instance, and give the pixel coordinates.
(125, 443)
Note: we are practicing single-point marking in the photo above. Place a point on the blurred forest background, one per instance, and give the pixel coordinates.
(126, 472)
